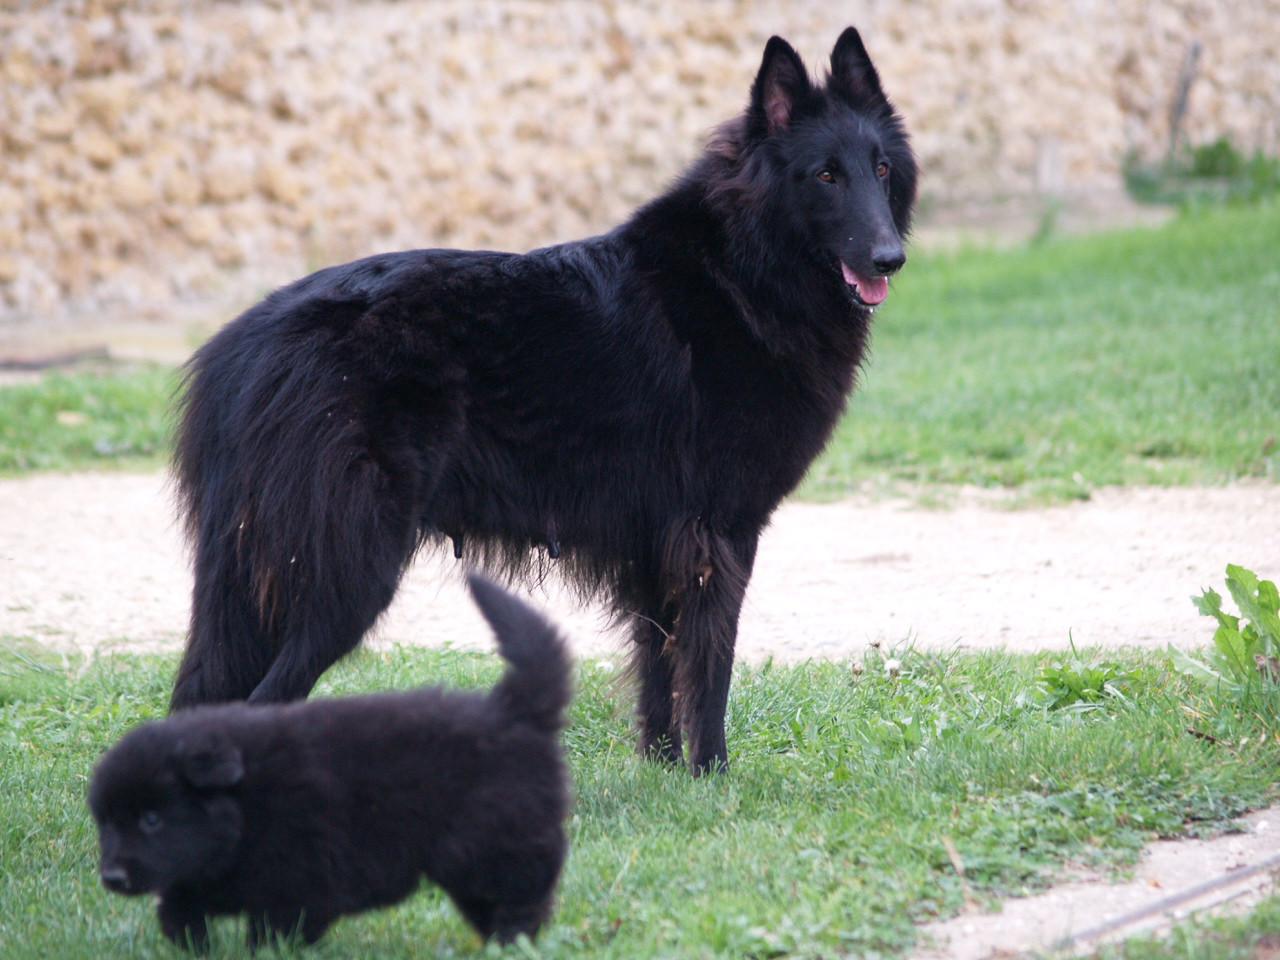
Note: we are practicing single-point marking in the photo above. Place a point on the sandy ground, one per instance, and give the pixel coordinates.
(89, 561)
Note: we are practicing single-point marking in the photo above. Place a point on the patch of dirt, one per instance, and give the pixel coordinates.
(1040, 923)
(95, 561)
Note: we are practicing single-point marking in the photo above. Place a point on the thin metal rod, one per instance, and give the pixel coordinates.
(1272, 863)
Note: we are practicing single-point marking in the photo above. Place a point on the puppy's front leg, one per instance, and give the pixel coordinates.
(281, 926)
(510, 920)
(182, 920)
(259, 932)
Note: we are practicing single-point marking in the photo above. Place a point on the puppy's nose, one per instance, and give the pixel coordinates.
(115, 878)
(888, 259)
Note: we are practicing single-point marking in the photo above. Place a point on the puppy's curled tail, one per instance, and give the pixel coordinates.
(536, 687)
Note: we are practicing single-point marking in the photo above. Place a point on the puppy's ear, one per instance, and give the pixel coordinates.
(209, 761)
(780, 84)
(853, 76)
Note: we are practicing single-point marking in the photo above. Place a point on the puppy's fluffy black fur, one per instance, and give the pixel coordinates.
(635, 405)
(297, 815)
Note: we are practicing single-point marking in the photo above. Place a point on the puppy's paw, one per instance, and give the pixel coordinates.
(183, 922)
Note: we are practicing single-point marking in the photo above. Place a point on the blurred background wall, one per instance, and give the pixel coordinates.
(156, 152)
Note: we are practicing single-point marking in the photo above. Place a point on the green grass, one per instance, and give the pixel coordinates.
(828, 838)
(78, 420)
(1148, 356)
(1253, 937)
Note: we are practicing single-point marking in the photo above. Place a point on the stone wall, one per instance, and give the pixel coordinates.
(159, 150)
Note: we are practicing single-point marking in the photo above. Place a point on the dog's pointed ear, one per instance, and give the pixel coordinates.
(780, 84)
(853, 75)
(209, 760)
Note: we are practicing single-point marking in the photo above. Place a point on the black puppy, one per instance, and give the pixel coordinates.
(300, 814)
(636, 404)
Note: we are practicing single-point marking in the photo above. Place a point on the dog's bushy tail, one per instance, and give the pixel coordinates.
(536, 687)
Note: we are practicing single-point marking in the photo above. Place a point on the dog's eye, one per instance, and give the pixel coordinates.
(882, 169)
(150, 821)
(826, 176)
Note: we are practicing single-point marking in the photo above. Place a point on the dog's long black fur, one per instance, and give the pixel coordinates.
(635, 405)
(297, 815)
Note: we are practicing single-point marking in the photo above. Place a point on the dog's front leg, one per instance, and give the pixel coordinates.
(706, 631)
(182, 920)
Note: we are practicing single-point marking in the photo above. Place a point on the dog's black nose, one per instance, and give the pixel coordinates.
(115, 878)
(888, 260)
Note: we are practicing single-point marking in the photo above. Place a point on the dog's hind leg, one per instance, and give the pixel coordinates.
(229, 650)
(706, 629)
(654, 671)
(360, 552)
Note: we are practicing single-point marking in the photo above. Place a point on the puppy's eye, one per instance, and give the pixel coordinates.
(150, 821)
(826, 176)
(882, 169)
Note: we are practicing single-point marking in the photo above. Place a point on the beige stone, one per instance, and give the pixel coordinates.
(181, 186)
(226, 182)
(227, 254)
(200, 227)
(12, 202)
(281, 183)
(57, 125)
(96, 147)
(106, 100)
(53, 196)
(130, 189)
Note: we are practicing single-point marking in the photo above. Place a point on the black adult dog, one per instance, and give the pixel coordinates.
(297, 815)
(637, 404)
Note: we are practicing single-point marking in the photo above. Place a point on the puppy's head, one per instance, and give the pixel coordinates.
(165, 802)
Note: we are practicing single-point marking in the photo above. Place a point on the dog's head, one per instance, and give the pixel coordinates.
(832, 164)
(164, 800)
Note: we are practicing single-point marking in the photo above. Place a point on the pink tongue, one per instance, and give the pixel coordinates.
(872, 290)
